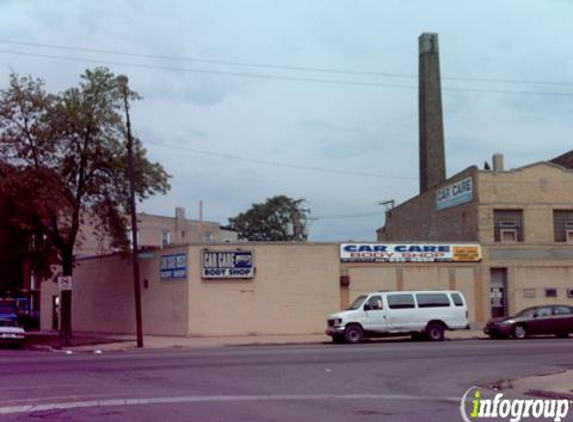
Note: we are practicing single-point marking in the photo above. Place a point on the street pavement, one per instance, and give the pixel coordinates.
(390, 380)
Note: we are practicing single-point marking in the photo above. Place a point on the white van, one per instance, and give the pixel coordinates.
(422, 314)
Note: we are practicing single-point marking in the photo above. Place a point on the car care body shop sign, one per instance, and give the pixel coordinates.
(173, 266)
(227, 264)
(409, 252)
(455, 194)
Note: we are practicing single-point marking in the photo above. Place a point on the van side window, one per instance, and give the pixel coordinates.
(432, 300)
(400, 301)
(375, 303)
(458, 301)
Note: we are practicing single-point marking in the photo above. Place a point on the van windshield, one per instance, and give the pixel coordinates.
(357, 303)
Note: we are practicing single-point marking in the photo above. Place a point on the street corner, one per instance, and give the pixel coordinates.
(555, 385)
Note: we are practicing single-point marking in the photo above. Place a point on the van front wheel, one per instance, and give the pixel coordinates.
(353, 334)
(435, 332)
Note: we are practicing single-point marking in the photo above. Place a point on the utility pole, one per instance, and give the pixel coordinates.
(388, 205)
(123, 80)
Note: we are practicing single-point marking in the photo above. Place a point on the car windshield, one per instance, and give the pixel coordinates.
(357, 303)
(526, 313)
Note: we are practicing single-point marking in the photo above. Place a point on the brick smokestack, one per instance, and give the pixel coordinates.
(432, 157)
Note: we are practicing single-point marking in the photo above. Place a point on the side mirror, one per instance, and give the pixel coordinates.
(367, 307)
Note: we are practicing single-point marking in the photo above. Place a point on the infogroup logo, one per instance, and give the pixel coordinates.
(475, 407)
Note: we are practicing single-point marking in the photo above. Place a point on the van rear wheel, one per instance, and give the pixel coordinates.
(353, 334)
(435, 332)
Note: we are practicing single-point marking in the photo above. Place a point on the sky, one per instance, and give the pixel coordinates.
(314, 99)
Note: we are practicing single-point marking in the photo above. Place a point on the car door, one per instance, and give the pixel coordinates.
(375, 315)
(543, 321)
(402, 312)
(563, 319)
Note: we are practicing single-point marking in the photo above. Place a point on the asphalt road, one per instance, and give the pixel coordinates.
(386, 380)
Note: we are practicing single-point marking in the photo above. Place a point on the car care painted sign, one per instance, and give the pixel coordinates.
(173, 266)
(227, 264)
(409, 252)
(455, 194)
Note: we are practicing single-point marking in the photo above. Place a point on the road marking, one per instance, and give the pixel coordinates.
(30, 408)
(39, 387)
(76, 397)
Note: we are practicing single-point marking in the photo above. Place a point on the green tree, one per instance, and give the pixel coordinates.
(278, 219)
(76, 141)
(23, 247)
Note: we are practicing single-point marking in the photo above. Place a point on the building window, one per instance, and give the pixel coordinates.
(208, 238)
(550, 292)
(563, 225)
(129, 234)
(165, 238)
(508, 226)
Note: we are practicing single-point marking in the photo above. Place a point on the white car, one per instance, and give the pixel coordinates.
(11, 333)
(421, 314)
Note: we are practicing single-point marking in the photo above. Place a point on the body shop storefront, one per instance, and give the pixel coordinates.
(367, 267)
(414, 252)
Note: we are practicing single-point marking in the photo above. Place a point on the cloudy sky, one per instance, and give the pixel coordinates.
(314, 99)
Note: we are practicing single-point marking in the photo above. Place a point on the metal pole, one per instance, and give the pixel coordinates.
(131, 169)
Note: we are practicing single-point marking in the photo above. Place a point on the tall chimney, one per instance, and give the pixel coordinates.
(432, 157)
(497, 160)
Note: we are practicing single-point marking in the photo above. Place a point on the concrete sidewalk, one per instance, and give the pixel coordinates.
(559, 385)
(127, 341)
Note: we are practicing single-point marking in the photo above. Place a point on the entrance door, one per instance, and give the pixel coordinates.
(498, 292)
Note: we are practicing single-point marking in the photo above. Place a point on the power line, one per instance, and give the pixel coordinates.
(278, 164)
(280, 77)
(344, 216)
(210, 72)
(275, 66)
(211, 61)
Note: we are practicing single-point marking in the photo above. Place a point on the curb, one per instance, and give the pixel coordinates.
(40, 348)
(91, 348)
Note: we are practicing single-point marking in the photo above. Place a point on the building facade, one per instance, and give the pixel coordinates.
(523, 219)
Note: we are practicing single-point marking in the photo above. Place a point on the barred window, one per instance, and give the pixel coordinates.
(508, 225)
(165, 238)
(563, 225)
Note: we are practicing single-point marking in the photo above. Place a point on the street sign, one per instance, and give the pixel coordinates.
(64, 283)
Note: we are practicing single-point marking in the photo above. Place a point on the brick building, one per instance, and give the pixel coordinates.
(523, 219)
(157, 231)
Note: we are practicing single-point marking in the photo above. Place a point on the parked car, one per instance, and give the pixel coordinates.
(537, 320)
(421, 314)
(7, 312)
(11, 333)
